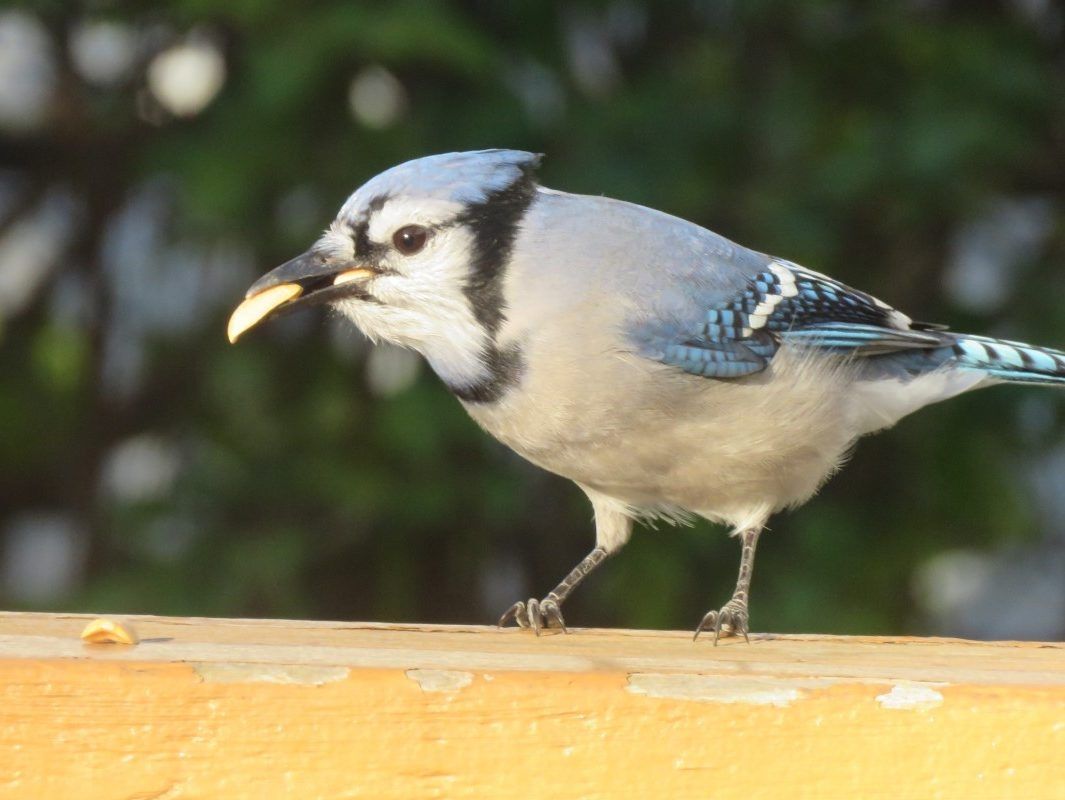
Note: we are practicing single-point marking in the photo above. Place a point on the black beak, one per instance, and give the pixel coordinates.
(306, 269)
(307, 280)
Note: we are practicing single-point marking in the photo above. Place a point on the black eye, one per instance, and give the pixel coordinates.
(410, 239)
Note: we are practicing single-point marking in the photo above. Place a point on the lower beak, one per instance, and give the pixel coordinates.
(306, 280)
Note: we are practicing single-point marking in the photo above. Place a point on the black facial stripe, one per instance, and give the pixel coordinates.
(504, 371)
(494, 223)
(378, 202)
(366, 250)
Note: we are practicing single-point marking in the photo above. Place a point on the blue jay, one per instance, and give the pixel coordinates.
(663, 368)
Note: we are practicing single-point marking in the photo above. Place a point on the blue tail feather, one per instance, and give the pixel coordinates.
(1010, 361)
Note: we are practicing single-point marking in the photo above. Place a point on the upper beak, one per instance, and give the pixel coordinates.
(308, 279)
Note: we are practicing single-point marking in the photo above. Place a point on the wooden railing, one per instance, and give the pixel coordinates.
(214, 708)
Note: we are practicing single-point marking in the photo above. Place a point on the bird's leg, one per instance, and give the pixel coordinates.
(538, 614)
(732, 618)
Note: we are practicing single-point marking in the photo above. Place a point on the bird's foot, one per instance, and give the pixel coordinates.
(730, 620)
(535, 614)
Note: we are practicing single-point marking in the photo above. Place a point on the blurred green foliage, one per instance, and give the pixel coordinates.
(856, 138)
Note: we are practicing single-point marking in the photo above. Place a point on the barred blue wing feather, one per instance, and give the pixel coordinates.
(721, 358)
(786, 303)
(862, 339)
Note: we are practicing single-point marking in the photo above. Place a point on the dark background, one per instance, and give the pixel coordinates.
(154, 161)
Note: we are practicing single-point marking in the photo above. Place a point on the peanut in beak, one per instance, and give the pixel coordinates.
(252, 311)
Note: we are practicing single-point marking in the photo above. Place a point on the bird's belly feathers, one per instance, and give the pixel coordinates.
(660, 438)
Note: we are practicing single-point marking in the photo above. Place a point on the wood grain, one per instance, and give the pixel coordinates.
(265, 708)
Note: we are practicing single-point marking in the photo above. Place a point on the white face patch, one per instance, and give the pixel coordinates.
(399, 212)
(422, 305)
(336, 243)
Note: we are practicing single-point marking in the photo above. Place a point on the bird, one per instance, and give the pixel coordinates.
(668, 371)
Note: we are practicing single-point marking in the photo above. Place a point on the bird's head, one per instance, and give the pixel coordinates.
(414, 256)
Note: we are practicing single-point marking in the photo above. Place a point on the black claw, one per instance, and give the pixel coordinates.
(731, 618)
(512, 613)
(717, 629)
(705, 623)
(553, 614)
(535, 614)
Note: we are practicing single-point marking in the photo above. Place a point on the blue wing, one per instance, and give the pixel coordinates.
(786, 303)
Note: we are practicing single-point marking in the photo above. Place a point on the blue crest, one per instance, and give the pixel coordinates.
(466, 178)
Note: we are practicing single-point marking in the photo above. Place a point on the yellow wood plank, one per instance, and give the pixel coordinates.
(265, 708)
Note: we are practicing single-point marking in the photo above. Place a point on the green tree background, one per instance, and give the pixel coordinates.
(915, 150)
